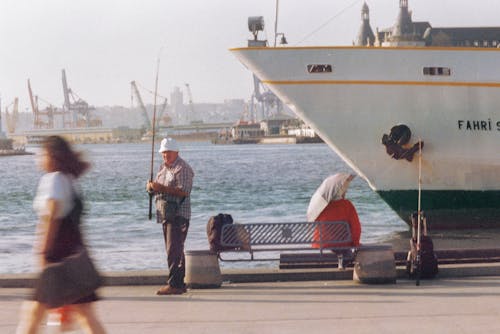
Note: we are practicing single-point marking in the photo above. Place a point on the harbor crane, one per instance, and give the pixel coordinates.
(79, 109)
(144, 112)
(38, 115)
(161, 114)
(267, 100)
(12, 118)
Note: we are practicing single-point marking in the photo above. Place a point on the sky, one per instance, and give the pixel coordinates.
(105, 44)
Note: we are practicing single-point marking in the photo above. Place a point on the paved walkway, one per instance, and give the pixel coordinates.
(446, 305)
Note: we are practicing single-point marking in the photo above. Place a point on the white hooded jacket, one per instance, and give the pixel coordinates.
(333, 188)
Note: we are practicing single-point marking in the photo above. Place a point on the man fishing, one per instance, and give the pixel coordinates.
(172, 188)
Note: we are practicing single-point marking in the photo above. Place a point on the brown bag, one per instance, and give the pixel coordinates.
(214, 233)
(65, 282)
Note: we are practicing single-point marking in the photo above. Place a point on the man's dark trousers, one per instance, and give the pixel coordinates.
(175, 233)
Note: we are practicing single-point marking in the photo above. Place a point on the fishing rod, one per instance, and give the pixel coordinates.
(153, 139)
(419, 215)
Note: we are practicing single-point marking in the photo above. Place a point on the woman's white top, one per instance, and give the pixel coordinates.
(333, 188)
(57, 186)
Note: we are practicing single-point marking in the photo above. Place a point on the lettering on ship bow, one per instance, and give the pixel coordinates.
(478, 125)
(319, 68)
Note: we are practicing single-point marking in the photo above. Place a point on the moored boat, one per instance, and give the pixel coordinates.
(7, 148)
(373, 105)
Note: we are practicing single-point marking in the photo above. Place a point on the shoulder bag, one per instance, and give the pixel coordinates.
(65, 282)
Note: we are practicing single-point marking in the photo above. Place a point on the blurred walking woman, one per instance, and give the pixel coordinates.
(59, 206)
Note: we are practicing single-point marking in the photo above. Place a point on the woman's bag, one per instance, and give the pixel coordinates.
(65, 282)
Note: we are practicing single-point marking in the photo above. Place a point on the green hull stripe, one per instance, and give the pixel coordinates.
(448, 209)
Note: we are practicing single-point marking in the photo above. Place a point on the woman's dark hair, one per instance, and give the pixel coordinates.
(63, 158)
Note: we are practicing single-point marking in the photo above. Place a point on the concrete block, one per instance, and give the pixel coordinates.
(374, 264)
(202, 269)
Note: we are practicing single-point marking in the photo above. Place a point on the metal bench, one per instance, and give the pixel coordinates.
(246, 240)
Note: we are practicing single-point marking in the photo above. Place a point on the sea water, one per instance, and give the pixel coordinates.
(253, 183)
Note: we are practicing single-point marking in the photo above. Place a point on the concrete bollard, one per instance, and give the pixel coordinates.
(202, 270)
(374, 264)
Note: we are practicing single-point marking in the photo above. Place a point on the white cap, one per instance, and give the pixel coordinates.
(168, 144)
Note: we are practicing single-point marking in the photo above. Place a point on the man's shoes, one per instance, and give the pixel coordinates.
(170, 290)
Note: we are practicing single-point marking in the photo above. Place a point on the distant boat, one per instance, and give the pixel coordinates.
(7, 149)
(372, 105)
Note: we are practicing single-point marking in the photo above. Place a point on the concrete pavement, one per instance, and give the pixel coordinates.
(444, 305)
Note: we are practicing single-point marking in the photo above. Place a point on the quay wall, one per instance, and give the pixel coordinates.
(157, 277)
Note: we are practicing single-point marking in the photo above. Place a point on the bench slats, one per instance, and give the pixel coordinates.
(260, 234)
(275, 237)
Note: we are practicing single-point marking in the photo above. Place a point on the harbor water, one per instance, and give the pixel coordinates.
(253, 183)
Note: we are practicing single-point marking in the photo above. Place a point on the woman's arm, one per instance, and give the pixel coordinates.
(49, 227)
(355, 225)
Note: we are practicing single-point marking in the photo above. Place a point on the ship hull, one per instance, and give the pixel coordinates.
(361, 93)
(447, 209)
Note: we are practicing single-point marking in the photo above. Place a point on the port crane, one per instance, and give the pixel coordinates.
(144, 112)
(267, 101)
(78, 108)
(42, 119)
(74, 106)
(12, 118)
(161, 115)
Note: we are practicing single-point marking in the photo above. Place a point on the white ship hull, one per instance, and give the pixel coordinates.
(370, 90)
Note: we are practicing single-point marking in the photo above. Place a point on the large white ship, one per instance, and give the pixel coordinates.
(373, 104)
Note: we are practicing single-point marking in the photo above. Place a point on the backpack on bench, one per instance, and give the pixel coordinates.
(214, 233)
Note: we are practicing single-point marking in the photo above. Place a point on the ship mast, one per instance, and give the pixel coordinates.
(276, 33)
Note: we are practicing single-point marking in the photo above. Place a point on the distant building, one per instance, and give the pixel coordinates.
(73, 135)
(177, 108)
(405, 32)
(274, 125)
(366, 37)
(126, 134)
(487, 37)
(245, 130)
(5, 144)
(303, 131)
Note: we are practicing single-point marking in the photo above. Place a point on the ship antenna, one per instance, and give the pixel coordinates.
(276, 33)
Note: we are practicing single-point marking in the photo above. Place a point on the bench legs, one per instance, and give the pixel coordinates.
(340, 259)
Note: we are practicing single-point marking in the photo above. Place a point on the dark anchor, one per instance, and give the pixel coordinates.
(394, 143)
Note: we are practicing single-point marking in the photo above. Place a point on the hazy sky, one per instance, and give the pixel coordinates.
(104, 44)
